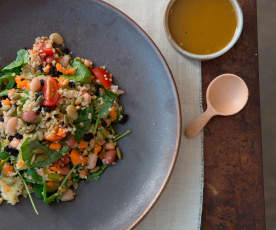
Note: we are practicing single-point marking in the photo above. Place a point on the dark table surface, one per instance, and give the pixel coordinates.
(234, 191)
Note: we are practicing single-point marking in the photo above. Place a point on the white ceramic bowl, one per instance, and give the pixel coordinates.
(207, 56)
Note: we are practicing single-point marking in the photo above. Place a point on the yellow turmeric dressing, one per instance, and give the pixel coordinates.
(202, 26)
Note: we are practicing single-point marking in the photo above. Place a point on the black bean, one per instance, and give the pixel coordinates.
(46, 108)
(4, 97)
(18, 136)
(7, 149)
(97, 92)
(65, 50)
(15, 105)
(0, 104)
(99, 162)
(1, 119)
(37, 95)
(103, 123)
(87, 136)
(11, 150)
(38, 110)
(53, 71)
(124, 119)
(40, 68)
(42, 82)
(72, 84)
(10, 138)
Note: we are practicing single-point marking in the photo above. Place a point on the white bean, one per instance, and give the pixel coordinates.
(87, 98)
(56, 38)
(92, 160)
(68, 195)
(64, 61)
(11, 125)
(14, 143)
(35, 85)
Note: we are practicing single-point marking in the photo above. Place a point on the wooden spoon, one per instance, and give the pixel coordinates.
(226, 95)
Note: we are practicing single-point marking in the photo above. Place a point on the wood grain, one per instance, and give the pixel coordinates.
(233, 193)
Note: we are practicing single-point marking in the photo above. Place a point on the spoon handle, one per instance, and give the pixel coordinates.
(196, 125)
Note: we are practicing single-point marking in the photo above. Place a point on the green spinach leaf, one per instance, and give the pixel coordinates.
(86, 120)
(3, 155)
(38, 189)
(35, 178)
(108, 100)
(7, 82)
(15, 66)
(82, 72)
(28, 148)
(96, 175)
(52, 157)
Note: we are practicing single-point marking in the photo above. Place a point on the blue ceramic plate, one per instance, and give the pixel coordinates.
(97, 31)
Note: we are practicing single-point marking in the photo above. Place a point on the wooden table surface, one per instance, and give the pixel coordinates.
(233, 193)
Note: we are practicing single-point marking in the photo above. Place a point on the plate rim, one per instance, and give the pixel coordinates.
(179, 113)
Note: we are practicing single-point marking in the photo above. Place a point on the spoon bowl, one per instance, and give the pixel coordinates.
(226, 95)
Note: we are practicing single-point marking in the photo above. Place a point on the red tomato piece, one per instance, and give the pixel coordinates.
(48, 51)
(49, 92)
(103, 77)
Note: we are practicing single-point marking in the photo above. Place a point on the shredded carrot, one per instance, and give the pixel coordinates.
(77, 158)
(50, 184)
(108, 122)
(22, 83)
(6, 102)
(113, 113)
(55, 146)
(97, 149)
(7, 188)
(7, 168)
(59, 67)
(82, 145)
(20, 164)
(47, 68)
(60, 132)
(84, 172)
(62, 81)
(101, 156)
(70, 71)
(59, 170)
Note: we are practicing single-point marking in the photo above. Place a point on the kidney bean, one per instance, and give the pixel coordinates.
(110, 156)
(92, 160)
(29, 116)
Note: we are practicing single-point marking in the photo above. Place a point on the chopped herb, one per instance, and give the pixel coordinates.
(97, 175)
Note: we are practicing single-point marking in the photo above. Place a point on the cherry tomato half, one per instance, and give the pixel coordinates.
(48, 51)
(102, 76)
(49, 92)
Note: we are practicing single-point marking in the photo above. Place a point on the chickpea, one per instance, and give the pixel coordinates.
(72, 112)
(57, 38)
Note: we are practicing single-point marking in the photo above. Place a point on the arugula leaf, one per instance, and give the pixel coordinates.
(52, 157)
(96, 175)
(7, 82)
(35, 178)
(108, 100)
(38, 189)
(28, 191)
(50, 199)
(15, 66)
(84, 118)
(82, 72)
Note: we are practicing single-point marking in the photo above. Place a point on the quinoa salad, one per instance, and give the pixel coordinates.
(57, 114)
